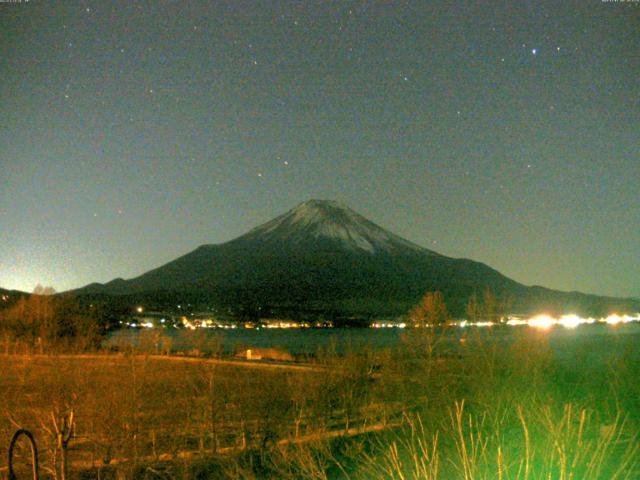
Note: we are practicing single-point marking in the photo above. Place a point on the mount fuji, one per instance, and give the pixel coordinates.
(322, 258)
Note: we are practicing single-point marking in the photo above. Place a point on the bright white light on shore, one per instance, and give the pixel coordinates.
(541, 321)
(139, 309)
(615, 319)
(484, 324)
(516, 321)
(571, 321)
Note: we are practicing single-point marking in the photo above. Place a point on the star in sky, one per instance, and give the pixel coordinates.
(104, 103)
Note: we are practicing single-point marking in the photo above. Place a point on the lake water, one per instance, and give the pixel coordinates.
(596, 343)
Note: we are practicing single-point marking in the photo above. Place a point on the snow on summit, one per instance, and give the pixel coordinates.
(331, 220)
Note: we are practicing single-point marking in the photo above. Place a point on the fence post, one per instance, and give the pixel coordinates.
(64, 431)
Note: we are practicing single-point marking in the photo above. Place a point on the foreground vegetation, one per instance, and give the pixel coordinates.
(425, 410)
(434, 407)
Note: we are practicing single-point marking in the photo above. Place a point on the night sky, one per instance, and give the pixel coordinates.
(132, 132)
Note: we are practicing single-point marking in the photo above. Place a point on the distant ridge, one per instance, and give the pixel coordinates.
(4, 291)
(9, 297)
(323, 258)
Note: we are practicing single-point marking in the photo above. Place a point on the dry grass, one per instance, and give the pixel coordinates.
(485, 410)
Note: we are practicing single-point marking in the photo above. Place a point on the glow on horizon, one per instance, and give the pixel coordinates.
(570, 321)
(616, 319)
(542, 321)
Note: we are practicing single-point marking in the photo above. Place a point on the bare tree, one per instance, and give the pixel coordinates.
(430, 311)
(490, 305)
(45, 323)
(473, 308)
(63, 426)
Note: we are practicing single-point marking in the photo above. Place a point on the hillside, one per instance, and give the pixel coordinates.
(325, 258)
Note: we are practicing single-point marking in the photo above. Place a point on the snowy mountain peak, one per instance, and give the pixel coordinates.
(332, 220)
(324, 211)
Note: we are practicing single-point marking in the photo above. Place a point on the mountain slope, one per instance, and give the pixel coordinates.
(322, 256)
(10, 297)
(329, 220)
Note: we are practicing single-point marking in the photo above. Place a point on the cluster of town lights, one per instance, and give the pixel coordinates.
(544, 321)
(388, 325)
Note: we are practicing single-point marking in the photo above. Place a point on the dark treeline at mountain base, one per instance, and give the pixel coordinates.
(45, 322)
(465, 302)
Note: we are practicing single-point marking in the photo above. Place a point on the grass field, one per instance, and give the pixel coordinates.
(484, 410)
